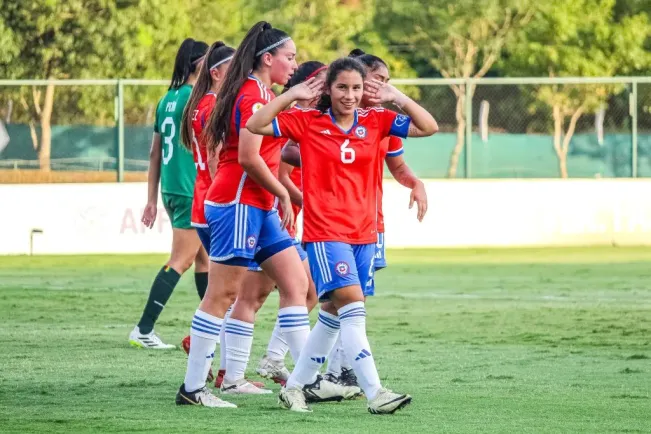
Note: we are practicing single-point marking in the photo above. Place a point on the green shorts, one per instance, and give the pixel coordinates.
(179, 209)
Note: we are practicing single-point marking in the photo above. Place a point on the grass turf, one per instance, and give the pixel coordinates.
(531, 340)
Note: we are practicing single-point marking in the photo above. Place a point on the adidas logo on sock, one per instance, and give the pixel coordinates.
(364, 354)
(210, 356)
(320, 360)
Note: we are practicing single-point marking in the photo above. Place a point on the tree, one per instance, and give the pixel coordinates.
(580, 38)
(461, 39)
(59, 39)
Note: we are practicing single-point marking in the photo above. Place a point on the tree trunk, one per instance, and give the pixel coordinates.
(562, 165)
(46, 130)
(558, 134)
(461, 130)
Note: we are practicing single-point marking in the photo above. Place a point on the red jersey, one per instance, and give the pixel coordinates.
(340, 170)
(296, 177)
(231, 184)
(200, 153)
(389, 147)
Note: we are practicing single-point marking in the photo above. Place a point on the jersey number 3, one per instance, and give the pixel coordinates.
(168, 138)
(347, 154)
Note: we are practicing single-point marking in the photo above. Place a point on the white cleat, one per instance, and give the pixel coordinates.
(387, 402)
(203, 397)
(273, 370)
(293, 400)
(242, 387)
(323, 390)
(150, 341)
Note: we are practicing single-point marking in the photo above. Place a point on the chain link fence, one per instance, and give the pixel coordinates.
(100, 130)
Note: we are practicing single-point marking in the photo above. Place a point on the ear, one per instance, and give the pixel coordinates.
(267, 59)
(215, 74)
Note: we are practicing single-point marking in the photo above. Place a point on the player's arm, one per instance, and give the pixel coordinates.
(213, 160)
(291, 154)
(421, 122)
(153, 179)
(402, 173)
(295, 193)
(261, 121)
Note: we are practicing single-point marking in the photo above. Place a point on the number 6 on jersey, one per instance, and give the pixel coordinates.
(347, 154)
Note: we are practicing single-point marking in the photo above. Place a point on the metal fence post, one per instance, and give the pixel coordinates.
(468, 135)
(120, 153)
(633, 114)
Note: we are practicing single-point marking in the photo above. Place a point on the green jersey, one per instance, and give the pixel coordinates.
(178, 172)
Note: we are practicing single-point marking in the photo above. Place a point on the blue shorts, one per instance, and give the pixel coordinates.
(204, 236)
(334, 265)
(254, 266)
(380, 252)
(240, 233)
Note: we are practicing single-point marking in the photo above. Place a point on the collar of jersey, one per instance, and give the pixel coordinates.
(332, 117)
(253, 77)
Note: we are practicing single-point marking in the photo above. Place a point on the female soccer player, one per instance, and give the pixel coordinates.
(391, 152)
(172, 165)
(339, 148)
(243, 223)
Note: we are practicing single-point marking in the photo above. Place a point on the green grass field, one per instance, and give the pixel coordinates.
(513, 341)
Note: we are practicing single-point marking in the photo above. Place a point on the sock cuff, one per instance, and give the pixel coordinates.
(206, 317)
(237, 327)
(205, 325)
(169, 273)
(201, 273)
(329, 320)
(351, 310)
(292, 310)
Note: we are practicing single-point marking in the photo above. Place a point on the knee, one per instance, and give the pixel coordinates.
(312, 299)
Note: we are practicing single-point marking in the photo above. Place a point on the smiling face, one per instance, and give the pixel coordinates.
(346, 92)
(282, 63)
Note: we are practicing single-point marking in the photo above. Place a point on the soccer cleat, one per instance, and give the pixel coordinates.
(387, 402)
(150, 341)
(220, 379)
(242, 387)
(323, 390)
(273, 370)
(348, 380)
(185, 344)
(293, 400)
(202, 397)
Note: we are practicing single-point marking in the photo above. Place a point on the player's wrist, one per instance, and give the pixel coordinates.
(400, 99)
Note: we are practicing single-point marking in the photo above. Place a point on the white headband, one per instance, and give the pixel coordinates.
(221, 62)
(272, 46)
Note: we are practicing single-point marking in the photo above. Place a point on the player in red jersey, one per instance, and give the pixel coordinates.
(339, 148)
(244, 225)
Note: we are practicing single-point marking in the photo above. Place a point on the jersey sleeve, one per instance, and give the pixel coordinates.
(395, 147)
(291, 124)
(156, 124)
(394, 124)
(245, 107)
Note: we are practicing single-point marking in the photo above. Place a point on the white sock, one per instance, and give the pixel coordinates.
(352, 318)
(239, 337)
(222, 340)
(277, 348)
(343, 360)
(295, 327)
(319, 344)
(203, 336)
(334, 359)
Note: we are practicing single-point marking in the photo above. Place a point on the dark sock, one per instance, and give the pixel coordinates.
(201, 280)
(160, 292)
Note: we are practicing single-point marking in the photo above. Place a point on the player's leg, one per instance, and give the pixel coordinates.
(185, 244)
(238, 333)
(272, 364)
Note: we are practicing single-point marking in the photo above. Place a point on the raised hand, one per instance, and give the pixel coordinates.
(378, 92)
(308, 90)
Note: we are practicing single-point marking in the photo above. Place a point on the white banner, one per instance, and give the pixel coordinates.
(105, 218)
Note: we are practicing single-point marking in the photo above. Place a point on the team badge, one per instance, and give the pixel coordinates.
(257, 106)
(250, 241)
(400, 120)
(360, 132)
(342, 268)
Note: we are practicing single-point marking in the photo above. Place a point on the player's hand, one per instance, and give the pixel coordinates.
(419, 195)
(149, 214)
(378, 92)
(308, 90)
(288, 213)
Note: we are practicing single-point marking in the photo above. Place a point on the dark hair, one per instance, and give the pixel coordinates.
(217, 52)
(302, 73)
(189, 53)
(335, 68)
(246, 58)
(370, 61)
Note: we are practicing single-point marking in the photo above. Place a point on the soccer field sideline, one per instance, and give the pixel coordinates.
(526, 340)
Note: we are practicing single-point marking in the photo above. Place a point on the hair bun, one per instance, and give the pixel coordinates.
(356, 52)
(266, 26)
(219, 44)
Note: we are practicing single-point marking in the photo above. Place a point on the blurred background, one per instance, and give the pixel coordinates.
(521, 89)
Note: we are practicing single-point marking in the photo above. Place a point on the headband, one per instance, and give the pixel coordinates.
(272, 46)
(220, 62)
(315, 73)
